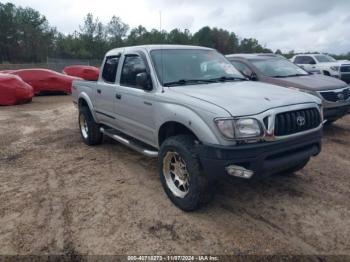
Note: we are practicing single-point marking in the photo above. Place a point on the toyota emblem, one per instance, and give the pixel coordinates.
(341, 96)
(300, 120)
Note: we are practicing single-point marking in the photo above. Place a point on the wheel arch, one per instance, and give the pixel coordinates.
(173, 128)
(326, 72)
(84, 101)
(184, 118)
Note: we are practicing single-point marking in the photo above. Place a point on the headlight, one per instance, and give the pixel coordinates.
(335, 68)
(239, 128)
(247, 127)
(226, 127)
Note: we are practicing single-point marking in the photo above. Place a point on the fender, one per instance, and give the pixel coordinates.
(87, 99)
(189, 119)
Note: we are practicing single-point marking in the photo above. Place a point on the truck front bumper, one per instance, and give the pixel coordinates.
(262, 158)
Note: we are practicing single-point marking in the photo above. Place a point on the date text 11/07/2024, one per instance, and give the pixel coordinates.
(173, 258)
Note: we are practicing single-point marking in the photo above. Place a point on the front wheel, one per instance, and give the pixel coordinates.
(181, 173)
(89, 129)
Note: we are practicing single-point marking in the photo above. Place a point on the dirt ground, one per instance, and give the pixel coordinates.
(58, 195)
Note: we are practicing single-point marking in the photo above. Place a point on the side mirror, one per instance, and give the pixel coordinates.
(312, 63)
(253, 77)
(142, 80)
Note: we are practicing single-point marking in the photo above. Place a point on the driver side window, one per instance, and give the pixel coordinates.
(133, 65)
(309, 60)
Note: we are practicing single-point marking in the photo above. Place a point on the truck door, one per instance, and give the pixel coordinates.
(106, 90)
(134, 106)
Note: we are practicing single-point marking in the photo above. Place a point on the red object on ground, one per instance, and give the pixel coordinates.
(44, 80)
(13, 90)
(86, 72)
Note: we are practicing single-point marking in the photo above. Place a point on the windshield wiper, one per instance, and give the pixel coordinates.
(289, 75)
(182, 82)
(227, 78)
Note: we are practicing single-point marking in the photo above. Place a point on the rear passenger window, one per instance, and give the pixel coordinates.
(110, 67)
(133, 65)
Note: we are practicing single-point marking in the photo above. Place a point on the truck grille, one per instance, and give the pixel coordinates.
(336, 96)
(345, 69)
(292, 122)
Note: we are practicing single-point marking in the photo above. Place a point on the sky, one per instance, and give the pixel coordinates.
(299, 25)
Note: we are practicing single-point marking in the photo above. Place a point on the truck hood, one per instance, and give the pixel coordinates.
(310, 82)
(247, 97)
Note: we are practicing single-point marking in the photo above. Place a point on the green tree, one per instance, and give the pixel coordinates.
(179, 38)
(278, 52)
(116, 31)
(25, 34)
(93, 37)
(203, 37)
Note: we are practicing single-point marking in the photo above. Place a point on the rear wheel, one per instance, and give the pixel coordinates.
(89, 129)
(181, 173)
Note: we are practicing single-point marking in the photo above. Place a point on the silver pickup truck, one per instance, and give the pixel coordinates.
(193, 110)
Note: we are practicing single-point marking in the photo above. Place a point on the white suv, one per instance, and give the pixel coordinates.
(324, 64)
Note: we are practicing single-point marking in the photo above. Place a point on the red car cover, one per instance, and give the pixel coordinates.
(86, 72)
(13, 90)
(44, 80)
(6, 71)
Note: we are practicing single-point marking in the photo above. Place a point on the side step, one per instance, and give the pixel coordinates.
(133, 144)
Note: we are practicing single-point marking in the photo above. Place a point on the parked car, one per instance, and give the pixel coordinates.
(193, 110)
(326, 64)
(44, 80)
(85, 72)
(13, 90)
(335, 94)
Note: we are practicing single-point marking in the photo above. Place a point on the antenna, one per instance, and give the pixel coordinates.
(161, 50)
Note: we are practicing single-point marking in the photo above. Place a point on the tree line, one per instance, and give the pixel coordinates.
(27, 36)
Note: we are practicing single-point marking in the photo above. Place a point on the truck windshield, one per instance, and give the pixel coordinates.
(278, 68)
(192, 66)
(324, 58)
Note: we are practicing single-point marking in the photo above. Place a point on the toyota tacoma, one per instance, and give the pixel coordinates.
(189, 107)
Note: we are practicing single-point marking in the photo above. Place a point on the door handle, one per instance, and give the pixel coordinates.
(99, 91)
(118, 96)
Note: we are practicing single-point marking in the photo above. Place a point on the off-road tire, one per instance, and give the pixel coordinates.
(200, 191)
(94, 135)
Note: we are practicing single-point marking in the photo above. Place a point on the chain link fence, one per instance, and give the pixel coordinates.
(56, 64)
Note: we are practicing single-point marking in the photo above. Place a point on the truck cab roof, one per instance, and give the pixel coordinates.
(149, 48)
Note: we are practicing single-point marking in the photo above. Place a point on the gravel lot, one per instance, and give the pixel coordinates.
(59, 196)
